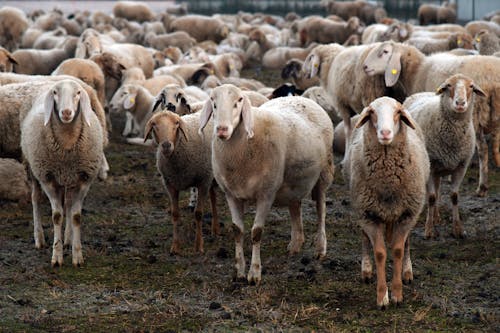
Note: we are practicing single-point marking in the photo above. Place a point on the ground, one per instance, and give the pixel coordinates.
(129, 282)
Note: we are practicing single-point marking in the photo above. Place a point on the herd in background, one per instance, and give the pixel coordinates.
(411, 103)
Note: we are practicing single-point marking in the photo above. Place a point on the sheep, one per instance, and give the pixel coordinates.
(133, 11)
(474, 27)
(226, 64)
(446, 122)
(432, 14)
(406, 69)
(50, 39)
(87, 71)
(132, 75)
(7, 61)
(326, 31)
(294, 70)
(14, 185)
(320, 96)
(486, 42)
(429, 45)
(173, 98)
(180, 39)
(387, 167)
(397, 31)
(319, 61)
(13, 24)
(172, 54)
(40, 62)
(201, 27)
(62, 143)
(188, 72)
(345, 9)
(250, 84)
(183, 159)
(275, 58)
(288, 153)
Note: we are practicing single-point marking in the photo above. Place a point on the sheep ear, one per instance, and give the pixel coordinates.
(393, 69)
(478, 90)
(129, 102)
(364, 116)
(442, 88)
(407, 119)
(147, 130)
(48, 106)
(182, 128)
(314, 70)
(206, 113)
(246, 111)
(85, 106)
(160, 100)
(12, 59)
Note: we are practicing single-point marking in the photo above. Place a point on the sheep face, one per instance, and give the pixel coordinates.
(458, 92)
(228, 106)
(173, 98)
(385, 115)
(123, 99)
(385, 59)
(67, 99)
(166, 129)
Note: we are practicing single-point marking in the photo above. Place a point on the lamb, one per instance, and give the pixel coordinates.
(486, 42)
(64, 159)
(429, 45)
(183, 159)
(325, 31)
(14, 185)
(7, 61)
(446, 122)
(387, 167)
(13, 24)
(288, 154)
(201, 27)
(432, 14)
(133, 11)
(406, 69)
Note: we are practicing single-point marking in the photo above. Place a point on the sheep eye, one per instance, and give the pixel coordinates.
(215, 106)
(54, 92)
(78, 92)
(385, 51)
(240, 99)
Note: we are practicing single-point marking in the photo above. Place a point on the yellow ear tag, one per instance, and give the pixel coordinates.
(212, 72)
(478, 39)
(394, 71)
(231, 67)
(132, 100)
(316, 65)
(459, 41)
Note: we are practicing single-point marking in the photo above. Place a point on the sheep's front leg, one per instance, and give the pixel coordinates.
(482, 152)
(398, 248)
(263, 208)
(297, 238)
(55, 195)
(215, 216)
(366, 261)
(407, 266)
(174, 207)
(456, 180)
(236, 207)
(74, 199)
(36, 197)
(198, 216)
(375, 231)
(433, 208)
(68, 230)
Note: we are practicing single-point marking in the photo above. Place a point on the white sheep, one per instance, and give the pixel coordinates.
(279, 152)
(62, 142)
(14, 185)
(183, 159)
(387, 167)
(446, 121)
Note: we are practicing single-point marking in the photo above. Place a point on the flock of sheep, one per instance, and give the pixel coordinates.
(411, 102)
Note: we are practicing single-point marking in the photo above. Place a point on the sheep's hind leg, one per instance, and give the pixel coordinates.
(74, 218)
(236, 207)
(398, 248)
(407, 266)
(198, 215)
(482, 153)
(366, 261)
(297, 238)
(174, 207)
(263, 208)
(432, 209)
(36, 197)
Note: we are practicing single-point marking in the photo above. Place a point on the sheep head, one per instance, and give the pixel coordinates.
(229, 107)
(67, 99)
(385, 115)
(384, 59)
(124, 98)
(164, 127)
(174, 99)
(457, 91)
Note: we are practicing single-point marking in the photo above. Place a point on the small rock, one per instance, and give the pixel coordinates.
(214, 306)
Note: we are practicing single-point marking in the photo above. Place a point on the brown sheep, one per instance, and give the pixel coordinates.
(326, 31)
(486, 42)
(133, 11)
(432, 14)
(201, 27)
(13, 24)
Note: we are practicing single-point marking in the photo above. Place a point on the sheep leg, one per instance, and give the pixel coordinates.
(456, 180)
(174, 207)
(75, 201)
(36, 197)
(347, 131)
(495, 137)
(236, 207)
(432, 209)
(321, 217)
(55, 195)
(366, 261)
(193, 197)
(68, 229)
(407, 267)
(398, 248)
(103, 171)
(297, 238)
(198, 215)
(482, 152)
(263, 207)
(376, 230)
(215, 216)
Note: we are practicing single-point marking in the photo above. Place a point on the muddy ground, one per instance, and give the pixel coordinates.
(130, 283)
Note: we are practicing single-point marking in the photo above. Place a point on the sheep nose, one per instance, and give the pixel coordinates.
(386, 134)
(166, 147)
(365, 67)
(171, 107)
(460, 102)
(66, 114)
(222, 131)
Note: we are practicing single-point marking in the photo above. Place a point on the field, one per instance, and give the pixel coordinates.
(130, 283)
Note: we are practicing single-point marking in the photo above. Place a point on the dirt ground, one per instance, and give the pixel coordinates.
(130, 283)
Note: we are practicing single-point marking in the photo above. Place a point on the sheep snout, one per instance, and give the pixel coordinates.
(66, 116)
(170, 107)
(167, 148)
(223, 132)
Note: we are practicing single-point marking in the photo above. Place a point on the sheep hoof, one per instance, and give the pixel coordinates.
(384, 302)
(397, 300)
(407, 278)
(367, 277)
(431, 233)
(294, 248)
(482, 191)
(459, 233)
(56, 263)
(175, 249)
(254, 277)
(40, 244)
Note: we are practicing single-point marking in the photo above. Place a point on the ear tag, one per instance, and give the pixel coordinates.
(459, 41)
(132, 100)
(394, 71)
(478, 39)
(316, 65)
